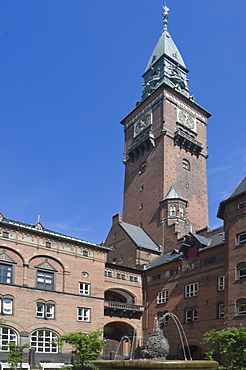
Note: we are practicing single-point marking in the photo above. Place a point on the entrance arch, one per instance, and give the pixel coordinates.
(114, 332)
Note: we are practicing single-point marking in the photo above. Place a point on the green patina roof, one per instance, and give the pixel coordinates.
(166, 46)
(173, 193)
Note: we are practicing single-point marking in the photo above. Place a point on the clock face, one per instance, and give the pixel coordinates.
(187, 120)
(142, 123)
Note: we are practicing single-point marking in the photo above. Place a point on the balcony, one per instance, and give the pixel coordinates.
(122, 309)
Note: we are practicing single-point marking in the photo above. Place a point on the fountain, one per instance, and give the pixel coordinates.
(153, 353)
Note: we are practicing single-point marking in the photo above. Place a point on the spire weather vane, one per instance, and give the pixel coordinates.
(165, 13)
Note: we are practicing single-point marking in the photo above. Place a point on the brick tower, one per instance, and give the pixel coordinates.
(165, 190)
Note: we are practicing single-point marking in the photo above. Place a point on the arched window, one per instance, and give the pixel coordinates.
(172, 210)
(220, 310)
(186, 164)
(181, 211)
(241, 270)
(241, 307)
(44, 341)
(7, 335)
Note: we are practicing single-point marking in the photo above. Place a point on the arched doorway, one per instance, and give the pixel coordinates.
(195, 351)
(118, 332)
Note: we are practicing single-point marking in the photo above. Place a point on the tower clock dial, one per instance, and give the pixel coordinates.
(142, 123)
(186, 119)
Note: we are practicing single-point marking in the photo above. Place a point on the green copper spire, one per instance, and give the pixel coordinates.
(165, 64)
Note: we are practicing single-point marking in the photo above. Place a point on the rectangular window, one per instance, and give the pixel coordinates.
(6, 306)
(5, 273)
(209, 260)
(45, 310)
(241, 309)
(48, 245)
(40, 309)
(221, 309)
(45, 280)
(50, 311)
(191, 315)
(241, 273)
(5, 234)
(118, 276)
(240, 205)
(83, 314)
(162, 297)
(221, 283)
(191, 290)
(84, 288)
(241, 238)
(85, 253)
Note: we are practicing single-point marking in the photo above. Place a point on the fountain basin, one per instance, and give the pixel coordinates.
(155, 364)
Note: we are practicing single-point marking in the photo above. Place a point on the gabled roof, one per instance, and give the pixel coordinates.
(240, 189)
(173, 193)
(139, 237)
(212, 241)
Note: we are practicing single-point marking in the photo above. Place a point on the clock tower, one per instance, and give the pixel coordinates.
(165, 189)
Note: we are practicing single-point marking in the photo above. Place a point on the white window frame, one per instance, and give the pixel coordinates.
(44, 341)
(6, 306)
(241, 238)
(241, 273)
(45, 310)
(7, 335)
(191, 315)
(83, 314)
(172, 211)
(162, 296)
(181, 212)
(240, 205)
(221, 283)
(221, 310)
(191, 290)
(241, 309)
(84, 288)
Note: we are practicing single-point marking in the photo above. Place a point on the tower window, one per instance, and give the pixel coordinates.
(143, 168)
(240, 205)
(181, 211)
(241, 307)
(186, 164)
(241, 238)
(173, 211)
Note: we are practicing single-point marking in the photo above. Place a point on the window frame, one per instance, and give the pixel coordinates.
(84, 288)
(45, 313)
(240, 204)
(83, 314)
(193, 315)
(45, 284)
(173, 211)
(191, 290)
(3, 276)
(163, 296)
(239, 304)
(221, 283)
(239, 241)
(221, 310)
(39, 341)
(186, 164)
(5, 338)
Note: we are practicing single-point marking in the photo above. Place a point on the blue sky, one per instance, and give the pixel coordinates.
(71, 70)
